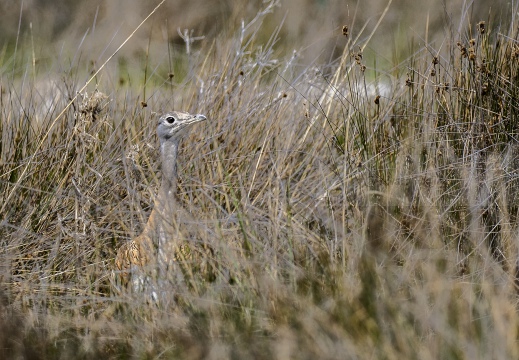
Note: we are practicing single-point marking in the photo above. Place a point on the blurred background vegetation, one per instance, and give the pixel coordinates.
(310, 25)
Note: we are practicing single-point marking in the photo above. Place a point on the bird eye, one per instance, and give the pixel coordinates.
(170, 119)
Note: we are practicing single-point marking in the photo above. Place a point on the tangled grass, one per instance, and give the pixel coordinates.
(361, 213)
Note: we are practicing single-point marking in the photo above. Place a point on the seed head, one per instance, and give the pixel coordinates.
(408, 82)
(463, 49)
(345, 30)
(481, 27)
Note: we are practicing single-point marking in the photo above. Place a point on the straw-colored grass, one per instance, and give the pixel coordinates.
(352, 211)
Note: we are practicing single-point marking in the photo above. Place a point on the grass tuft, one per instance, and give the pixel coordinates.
(351, 210)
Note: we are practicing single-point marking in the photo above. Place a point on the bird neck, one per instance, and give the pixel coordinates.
(169, 150)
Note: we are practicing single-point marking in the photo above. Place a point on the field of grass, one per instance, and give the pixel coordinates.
(353, 210)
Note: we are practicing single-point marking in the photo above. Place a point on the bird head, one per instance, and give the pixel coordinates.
(173, 125)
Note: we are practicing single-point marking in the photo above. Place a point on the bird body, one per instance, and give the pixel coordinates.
(155, 247)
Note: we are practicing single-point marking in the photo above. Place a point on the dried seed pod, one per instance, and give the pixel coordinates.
(357, 57)
(345, 30)
(463, 50)
(481, 27)
(408, 81)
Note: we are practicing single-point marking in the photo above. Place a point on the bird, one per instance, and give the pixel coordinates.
(155, 248)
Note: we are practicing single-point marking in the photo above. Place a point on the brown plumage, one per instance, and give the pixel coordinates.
(155, 245)
(137, 252)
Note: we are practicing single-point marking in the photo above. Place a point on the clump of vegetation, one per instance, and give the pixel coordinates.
(351, 211)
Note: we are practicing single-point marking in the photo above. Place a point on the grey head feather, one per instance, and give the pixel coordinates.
(172, 125)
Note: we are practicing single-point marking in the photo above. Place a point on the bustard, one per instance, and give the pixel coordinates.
(155, 245)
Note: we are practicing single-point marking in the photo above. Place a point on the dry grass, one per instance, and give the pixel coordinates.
(353, 211)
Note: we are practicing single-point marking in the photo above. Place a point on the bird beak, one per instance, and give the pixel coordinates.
(200, 117)
(193, 119)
